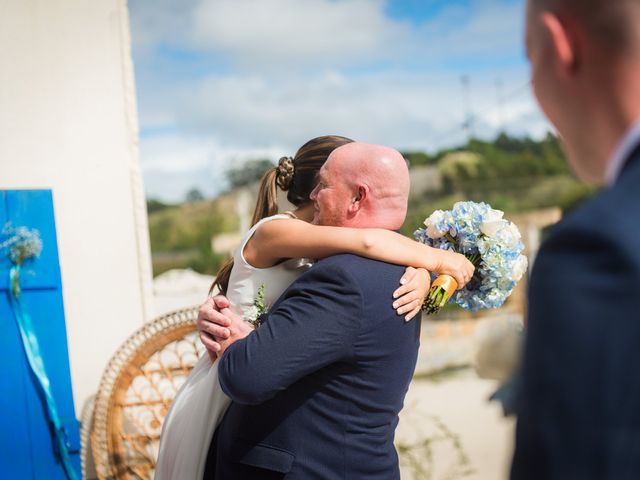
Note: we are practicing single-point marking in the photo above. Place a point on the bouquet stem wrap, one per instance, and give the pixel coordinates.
(441, 291)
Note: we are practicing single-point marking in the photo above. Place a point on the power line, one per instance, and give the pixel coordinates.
(473, 118)
(500, 101)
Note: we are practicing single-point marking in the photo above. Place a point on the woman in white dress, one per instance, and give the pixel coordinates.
(267, 257)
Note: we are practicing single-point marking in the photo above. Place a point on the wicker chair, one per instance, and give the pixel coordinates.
(136, 391)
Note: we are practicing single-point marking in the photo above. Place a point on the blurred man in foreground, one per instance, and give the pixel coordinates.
(579, 415)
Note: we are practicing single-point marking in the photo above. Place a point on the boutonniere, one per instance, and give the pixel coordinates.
(256, 312)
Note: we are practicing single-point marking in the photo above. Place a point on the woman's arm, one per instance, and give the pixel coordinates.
(290, 238)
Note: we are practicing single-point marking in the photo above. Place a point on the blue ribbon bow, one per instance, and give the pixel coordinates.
(32, 351)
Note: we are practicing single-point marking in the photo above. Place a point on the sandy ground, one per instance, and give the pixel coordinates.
(449, 430)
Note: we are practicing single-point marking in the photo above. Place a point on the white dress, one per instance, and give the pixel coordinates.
(200, 403)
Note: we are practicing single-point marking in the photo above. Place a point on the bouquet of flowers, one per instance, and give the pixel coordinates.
(20, 244)
(490, 242)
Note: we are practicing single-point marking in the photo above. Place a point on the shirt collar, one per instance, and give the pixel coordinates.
(622, 153)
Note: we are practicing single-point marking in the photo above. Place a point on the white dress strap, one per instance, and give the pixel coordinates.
(252, 230)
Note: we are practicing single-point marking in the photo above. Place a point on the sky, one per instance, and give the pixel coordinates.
(220, 82)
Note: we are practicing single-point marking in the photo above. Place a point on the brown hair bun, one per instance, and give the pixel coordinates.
(285, 170)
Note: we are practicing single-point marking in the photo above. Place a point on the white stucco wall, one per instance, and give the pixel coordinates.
(68, 122)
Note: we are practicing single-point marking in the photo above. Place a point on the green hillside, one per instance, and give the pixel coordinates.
(181, 234)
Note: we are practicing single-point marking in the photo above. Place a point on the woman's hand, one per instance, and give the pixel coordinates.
(456, 265)
(409, 297)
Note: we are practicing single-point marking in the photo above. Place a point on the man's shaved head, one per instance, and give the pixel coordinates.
(382, 168)
(363, 185)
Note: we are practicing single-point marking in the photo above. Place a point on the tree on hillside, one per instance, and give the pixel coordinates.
(416, 159)
(457, 168)
(194, 195)
(249, 172)
(155, 205)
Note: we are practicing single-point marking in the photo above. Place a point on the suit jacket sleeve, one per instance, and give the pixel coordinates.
(314, 324)
(578, 414)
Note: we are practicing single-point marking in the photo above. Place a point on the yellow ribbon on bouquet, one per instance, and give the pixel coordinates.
(448, 284)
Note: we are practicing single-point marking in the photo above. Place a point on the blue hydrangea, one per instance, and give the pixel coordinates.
(501, 262)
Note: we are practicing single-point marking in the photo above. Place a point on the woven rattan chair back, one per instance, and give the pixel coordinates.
(136, 391)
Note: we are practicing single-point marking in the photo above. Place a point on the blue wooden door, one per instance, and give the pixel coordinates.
(26, 448)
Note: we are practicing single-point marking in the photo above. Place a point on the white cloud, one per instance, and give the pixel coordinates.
(242, 117)
(263, 35)
(290, 70)
(173, 163)
(396, 108)
(173, 154)
(293, 34)
(160, 22)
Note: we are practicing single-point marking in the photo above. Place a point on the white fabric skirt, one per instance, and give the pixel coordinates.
(190, 423)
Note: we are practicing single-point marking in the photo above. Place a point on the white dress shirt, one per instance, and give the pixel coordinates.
(621, 154)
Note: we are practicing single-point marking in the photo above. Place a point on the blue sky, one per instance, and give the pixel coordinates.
(223, 81)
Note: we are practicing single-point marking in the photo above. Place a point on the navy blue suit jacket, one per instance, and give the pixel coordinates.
(317, 388)
(579, 410)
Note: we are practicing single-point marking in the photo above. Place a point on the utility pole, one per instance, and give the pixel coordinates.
(466, 100)
(500, 100)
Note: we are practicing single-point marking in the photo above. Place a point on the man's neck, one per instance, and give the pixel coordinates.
(624, 115)
(610, 93)
(387, 220)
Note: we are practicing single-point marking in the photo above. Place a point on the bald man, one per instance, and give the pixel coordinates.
(317, 388)
(579, 412)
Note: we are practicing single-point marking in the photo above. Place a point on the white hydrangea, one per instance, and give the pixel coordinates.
(493, 222)
(519, 267)
(432, 223)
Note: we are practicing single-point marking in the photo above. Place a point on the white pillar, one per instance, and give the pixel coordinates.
(68, 123)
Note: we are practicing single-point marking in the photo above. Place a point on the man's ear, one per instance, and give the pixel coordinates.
(563, 40)
(361, 195)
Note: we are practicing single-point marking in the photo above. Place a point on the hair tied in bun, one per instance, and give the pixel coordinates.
(285, 173)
